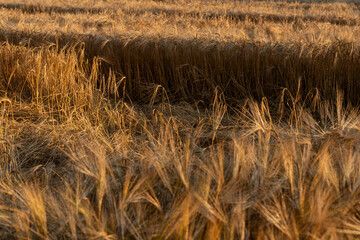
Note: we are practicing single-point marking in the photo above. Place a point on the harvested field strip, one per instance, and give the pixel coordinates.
(263, 7)
(174, 26)
(193, 69)
(243, 16)
(257, 18)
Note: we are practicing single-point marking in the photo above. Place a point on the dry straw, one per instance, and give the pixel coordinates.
(173, 138)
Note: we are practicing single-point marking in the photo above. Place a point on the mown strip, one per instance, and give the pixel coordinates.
(193, 69)
(259, 18)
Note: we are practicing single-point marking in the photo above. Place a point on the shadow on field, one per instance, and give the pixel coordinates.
(33, 9)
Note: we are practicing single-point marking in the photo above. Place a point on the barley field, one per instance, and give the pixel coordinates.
(183, 119)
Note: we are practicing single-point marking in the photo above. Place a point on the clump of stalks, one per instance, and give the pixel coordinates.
(80, 162)
(193, 69)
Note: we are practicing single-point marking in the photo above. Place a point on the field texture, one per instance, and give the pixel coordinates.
(179, 119)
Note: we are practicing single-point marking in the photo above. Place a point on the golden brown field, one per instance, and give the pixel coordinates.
(179, 119)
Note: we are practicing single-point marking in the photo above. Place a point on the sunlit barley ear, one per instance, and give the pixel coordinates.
(33, 200)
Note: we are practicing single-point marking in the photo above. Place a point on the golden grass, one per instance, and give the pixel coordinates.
(271, 22)
(76, 164)
(190, 49)
(157, 135)
(193, 69)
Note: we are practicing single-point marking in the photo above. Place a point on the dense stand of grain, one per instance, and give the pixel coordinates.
(179, 120)
(246, 49)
